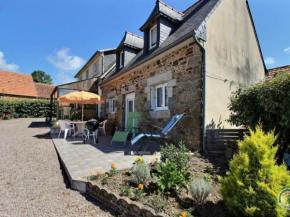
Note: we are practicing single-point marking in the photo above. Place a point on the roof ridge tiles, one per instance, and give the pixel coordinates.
(170, 7)
(191, 6)
(134, 34)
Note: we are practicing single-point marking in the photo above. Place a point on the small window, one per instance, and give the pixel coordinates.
(87, 74)
(112, 105)
(153, 36)
(161, 98)
(96, 68)
(121, 59)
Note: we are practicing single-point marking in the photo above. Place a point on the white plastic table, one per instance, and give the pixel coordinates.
(80, 125)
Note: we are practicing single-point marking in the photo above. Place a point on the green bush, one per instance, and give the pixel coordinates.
(176, 155)
(170, 178)
(27, 108)
(200, 189)
(253, 182)
(157, 202)
(268, 103)
(140, 172)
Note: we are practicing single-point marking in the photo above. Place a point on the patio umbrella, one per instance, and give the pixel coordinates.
(81, 97)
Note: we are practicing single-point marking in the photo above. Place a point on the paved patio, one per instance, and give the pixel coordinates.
(79, 158)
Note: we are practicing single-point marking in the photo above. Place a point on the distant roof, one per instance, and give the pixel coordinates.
(105, 51)
(43, 90)
(273, 71)
(192, 19)
(14, 83)
(132, 40)
(163, 9)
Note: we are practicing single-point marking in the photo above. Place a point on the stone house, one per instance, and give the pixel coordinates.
(186, 62)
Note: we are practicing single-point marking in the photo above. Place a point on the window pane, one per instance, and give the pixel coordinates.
(159, 97)
(153, 36)
(166, 100)
(130, 109)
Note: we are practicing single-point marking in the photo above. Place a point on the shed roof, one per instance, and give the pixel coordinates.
(43, 90)
(132, 40)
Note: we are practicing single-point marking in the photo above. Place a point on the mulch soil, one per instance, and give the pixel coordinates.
(179, 201)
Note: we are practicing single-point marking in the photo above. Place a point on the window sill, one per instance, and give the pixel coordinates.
(151, 48)
(165, 113)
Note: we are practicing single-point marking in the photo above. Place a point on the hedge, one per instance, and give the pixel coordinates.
(25, 108)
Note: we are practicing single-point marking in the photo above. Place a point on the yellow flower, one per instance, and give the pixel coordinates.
(140, 186)
(183, 214)
(106, 175)
(112, 166)
(99, 172)
(189, 151)
(139, 159)
(91, 172)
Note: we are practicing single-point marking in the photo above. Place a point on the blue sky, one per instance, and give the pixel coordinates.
(59, 36)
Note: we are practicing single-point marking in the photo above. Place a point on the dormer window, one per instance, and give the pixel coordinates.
(121, 59)
(153, 37)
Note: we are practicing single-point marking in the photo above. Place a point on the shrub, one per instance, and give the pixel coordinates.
(141, 172)
(170, 178)
(197, 154)
(268, 103)
(127, 190)
(157, 202)
(253, 182)
(200, 189)
(206, 177)
(139, 193)
(176, 155)
(208, 168)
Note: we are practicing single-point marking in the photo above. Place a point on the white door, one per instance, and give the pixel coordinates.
(130, 105)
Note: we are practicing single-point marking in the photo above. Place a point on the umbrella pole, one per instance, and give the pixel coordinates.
(82, 111)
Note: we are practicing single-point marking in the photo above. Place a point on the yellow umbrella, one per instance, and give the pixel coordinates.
(81, 97)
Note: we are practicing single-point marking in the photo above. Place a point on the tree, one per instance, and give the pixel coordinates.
(254, 181)
(267, 103)
(41, 77)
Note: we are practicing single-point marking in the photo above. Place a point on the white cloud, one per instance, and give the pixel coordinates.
(66, 64)
(7, 66)
(269, 61)
(287, 50)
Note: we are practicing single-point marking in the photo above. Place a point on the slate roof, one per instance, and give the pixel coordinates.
(14, 83)
(193, 17)
(163, 9)
(132, 40)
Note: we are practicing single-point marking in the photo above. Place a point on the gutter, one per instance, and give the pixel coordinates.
(203, 91)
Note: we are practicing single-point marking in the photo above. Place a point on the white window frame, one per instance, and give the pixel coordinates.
(164, 107)
(150, 34)
(112, 105)
(121, 59)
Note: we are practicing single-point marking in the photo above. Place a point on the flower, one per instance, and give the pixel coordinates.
(183, 214)
(106, 175)
(91, 172)
(189, 151)
(99, 172)
(139, 159)
(112, 166)
(127, 183)
(140, 186)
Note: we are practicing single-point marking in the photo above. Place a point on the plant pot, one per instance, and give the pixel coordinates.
(16, 116)
(6, 118)
(230, 153)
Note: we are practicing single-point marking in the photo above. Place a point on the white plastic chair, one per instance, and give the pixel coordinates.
(93, 130)
(64, 126)
(103, 127)
(71, 127)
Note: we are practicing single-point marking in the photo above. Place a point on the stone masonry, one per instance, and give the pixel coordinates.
(182, 70)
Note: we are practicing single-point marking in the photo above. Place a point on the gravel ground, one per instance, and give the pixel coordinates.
(32, 182)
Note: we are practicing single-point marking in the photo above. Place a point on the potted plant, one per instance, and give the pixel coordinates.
(231, 149)
(55, 128)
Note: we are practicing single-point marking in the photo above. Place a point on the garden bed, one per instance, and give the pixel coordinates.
(170, 203)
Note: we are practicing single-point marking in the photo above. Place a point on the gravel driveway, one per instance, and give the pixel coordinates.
(31, 180)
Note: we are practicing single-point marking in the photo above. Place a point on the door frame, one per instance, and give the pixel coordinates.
(129, 97)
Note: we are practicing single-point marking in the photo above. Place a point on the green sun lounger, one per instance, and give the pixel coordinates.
(120, 137)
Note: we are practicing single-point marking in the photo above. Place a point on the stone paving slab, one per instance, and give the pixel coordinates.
(79, 158)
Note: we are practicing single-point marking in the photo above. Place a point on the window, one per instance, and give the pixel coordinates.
(96, 68)
(161, 98)
(87, 74)
(121, 59)
(153, 37)
(112, 105)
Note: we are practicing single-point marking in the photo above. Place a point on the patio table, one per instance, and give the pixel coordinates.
(80, 126)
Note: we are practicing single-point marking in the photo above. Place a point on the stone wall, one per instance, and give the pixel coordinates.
(182, 70)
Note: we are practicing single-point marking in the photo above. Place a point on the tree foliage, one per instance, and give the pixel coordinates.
(252, 184)
(267, 103)
(41, 77)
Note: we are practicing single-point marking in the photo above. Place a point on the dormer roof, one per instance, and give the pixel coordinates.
(132, 40)
(162, 9)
